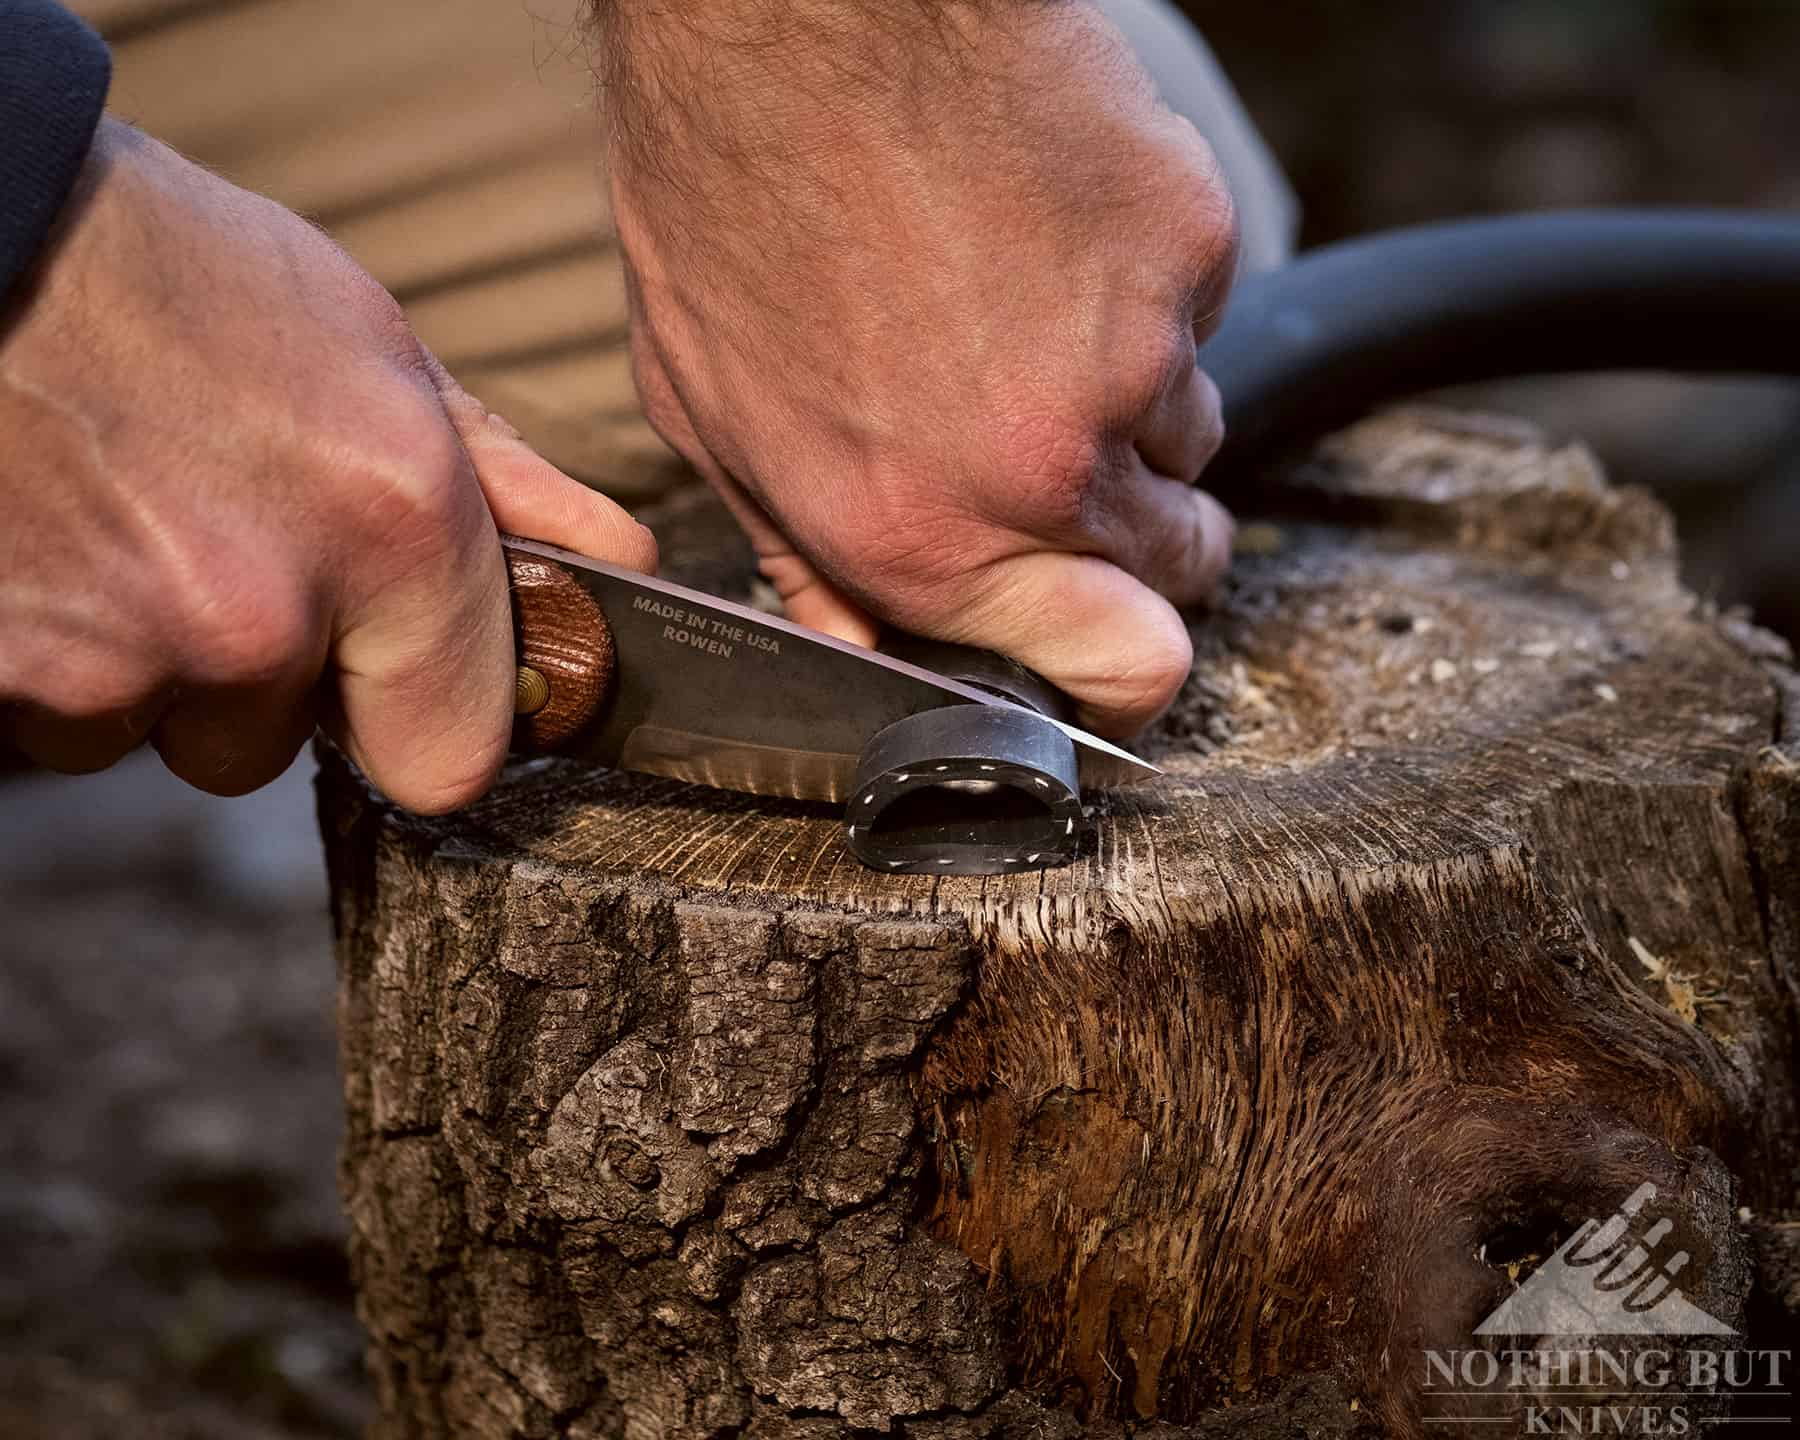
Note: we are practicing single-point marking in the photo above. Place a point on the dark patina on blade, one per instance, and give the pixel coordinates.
(724, 695)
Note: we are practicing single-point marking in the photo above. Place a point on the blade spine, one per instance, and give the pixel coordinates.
(746, 613)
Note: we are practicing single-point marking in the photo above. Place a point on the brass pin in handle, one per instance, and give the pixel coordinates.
(567, 660)
(531, 692)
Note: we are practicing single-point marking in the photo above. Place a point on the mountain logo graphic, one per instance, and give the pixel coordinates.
(1606, 1281)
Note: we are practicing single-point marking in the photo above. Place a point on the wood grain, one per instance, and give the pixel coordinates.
(1324, 1031)
(228, 80)
(560, 632)
(365, 154)
(487, 224)
(559, 308)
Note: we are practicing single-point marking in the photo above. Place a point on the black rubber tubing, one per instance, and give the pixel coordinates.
(1340, 329)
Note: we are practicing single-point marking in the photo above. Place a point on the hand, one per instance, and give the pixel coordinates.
(918, 287)
(239, 496)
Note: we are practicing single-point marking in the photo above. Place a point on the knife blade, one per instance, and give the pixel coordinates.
(705, 690)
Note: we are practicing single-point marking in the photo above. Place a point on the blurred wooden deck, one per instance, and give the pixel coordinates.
(451, 146)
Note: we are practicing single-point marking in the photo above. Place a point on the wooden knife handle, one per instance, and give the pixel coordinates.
(567, 661)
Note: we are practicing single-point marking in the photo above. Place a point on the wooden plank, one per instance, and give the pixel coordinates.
(110, 16)
(525, 314)
(596, 381)
(362, 156)
(225, 82)
(520, 212)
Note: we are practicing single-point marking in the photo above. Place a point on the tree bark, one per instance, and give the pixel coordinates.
(1470, 902)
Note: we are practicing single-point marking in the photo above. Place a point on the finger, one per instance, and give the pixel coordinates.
(807, 596)
(82, 744)
(1172, 537)
(810, 599)
(1179, 434)
(425, 660)
(1108, 641)
(230, 743)
(531, 498)
(1139, 510)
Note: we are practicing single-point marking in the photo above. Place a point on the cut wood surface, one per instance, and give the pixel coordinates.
(1469, 903)
(452, 147)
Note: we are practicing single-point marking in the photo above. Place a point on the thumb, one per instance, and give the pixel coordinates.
(531, 498)
(1108, 641)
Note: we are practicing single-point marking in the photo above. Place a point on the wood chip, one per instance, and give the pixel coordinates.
(1259, 538)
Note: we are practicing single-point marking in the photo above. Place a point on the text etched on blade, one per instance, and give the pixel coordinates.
(709, 634)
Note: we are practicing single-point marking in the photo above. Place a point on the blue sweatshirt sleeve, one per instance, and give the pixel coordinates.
(54, 73)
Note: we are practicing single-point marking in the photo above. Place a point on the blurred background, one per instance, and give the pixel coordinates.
(1388, 113)
(168, 1103)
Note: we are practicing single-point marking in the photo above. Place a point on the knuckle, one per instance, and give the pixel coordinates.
(1170, 553)
(1206, 175)
(655, 395)
(387, 317)
(455, 786)
(408, 490)
(1204, 206)
(233, 617)
(670, 425)
(249, 634)
(1158, 361)
(1211, 231)
(1203, 229)
(377, 312)
(79, 683)
(1185, 556)
(1211, 247)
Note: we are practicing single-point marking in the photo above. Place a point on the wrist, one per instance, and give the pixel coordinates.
(763, 82)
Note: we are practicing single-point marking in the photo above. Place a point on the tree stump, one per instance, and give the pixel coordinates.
(1470, 903)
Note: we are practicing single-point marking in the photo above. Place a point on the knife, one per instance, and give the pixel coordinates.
(947, 760)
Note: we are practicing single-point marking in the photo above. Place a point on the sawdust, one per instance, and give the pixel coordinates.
(1679, 988)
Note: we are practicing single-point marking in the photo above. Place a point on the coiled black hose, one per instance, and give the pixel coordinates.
(1345, 327)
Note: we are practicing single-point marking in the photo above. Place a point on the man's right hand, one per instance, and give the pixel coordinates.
(241, 497)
